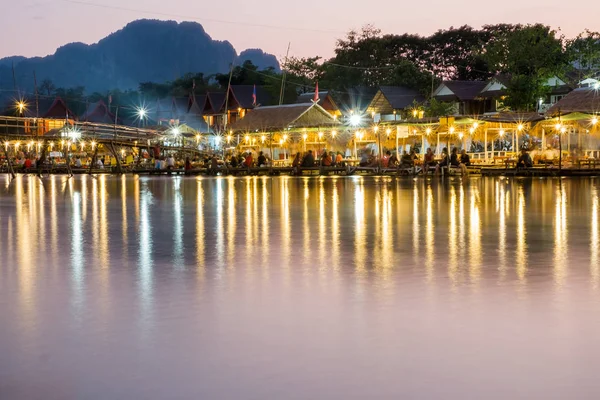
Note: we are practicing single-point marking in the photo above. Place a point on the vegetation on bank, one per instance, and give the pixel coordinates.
(528, 54)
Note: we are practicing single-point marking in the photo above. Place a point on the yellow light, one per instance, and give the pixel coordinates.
(388, 131)
(247, 138)
(122, 153)
(82, 145)
(6, 145)
(21, 106)
(285, 137)
(428, 131)
(197, 138)
(281, 142)
(51, 145)
(475, 125)
(414, 131)
(304, 136)
(17, 145)
(358, 134)
(262, 138)
(414, 113)
(320, 135)
(333, 133)
(557, 127)
(520, 127)
(594, 121)
(472, 130)
(68, 144)
(375, 129)
(460, 135)
(563, 129)
(93, 145)
(62, 143)
(452, 129)
(502, 133)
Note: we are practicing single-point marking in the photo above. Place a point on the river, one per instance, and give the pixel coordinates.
(299, 288)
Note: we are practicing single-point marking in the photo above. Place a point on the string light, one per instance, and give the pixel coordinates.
(333, 133)
(428, 131)
(502, 133)
(305, 136)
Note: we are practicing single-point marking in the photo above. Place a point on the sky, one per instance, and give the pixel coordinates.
(40, 26)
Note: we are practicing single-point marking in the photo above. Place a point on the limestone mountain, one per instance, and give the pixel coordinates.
(143, 51)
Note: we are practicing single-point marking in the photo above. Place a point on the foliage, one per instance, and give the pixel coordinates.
(436, 108)
(530, 55)
(584, 50)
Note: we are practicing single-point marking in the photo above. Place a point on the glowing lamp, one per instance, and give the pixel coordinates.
(333, 133)
(594, 121)
(305, 136)
(460, 135)
(563, 130)
(452, 129)
(472, 130)
(388, 131)
(247, 138)
(428, 131)
(285, 137)
(520, 127)
(262, 138)
(557, 127)
(175, 130)
(355, 120)
(218, 140)
(228, 138)
(502, 133)
(475, 125)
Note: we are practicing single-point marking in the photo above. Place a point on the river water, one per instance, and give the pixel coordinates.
(299, 288)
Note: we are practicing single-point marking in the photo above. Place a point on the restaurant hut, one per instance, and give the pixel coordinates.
(324, 99)
(576, 114)
(392, 103)
(463, 95)
(98, 112)
(281, 130)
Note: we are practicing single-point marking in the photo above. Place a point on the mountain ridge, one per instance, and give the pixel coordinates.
(142, 51)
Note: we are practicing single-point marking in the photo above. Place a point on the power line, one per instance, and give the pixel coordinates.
(188, 17)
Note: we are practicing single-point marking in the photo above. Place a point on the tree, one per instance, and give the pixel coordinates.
(304, 72)
(437, 108)
(584, 51)
(47, 87)
(530, 55)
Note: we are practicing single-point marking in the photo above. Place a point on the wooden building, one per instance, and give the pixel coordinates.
(463, 95)
(394, 103)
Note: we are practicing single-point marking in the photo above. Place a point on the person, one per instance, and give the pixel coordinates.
(309, 160)
(429, 160)
(364, 160)
(326, 160)
(78, 162)
(464, 158)
(455, 162)
(385, 161)
(171, 162)
(524, 160)
(249, 160)
(262, 160)
(393, 161)
(297, 160)
(99, 163)
(339, 159)
(156, 151)
(214, 165)
(233, 161)
(406, 161)
(445, 161)
(27, 164)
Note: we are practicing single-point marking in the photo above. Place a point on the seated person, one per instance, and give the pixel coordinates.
(309, 160)
(262, 160)
(464, 158)
(364, 160)
(429, 160)
(326, 160)
(406, 161)
(455, 161)
(524, 160)
(392, 161)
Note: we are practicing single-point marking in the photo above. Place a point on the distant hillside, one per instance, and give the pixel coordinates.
(144, 50)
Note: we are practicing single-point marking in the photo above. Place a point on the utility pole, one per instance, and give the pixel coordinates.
(283, 76)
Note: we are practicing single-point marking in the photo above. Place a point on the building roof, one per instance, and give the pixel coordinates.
(98, 112)
(581, 100)
(217, 101)
(182, 105)
(512, 117)
(58, 110)
(461, 90)
(325, 100)
(285, 116)
(390, 98)
(241, 96)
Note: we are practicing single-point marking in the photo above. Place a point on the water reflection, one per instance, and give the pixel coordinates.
(222, 272)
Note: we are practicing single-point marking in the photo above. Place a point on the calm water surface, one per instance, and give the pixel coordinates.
(292, 288)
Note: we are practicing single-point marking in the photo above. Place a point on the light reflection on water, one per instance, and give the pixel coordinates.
(299, 288)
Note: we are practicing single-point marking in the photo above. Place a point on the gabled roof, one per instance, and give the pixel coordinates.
(285, 116)
(217, 101)
(582, 100)
(459, 90)
(325, 100)
(196, 121)
(200, 105)
(58, 110)
(390, 98)
(181, 105)
(241, 96)
(98, 112)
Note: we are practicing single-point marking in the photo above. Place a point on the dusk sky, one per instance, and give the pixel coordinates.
(40, 26)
